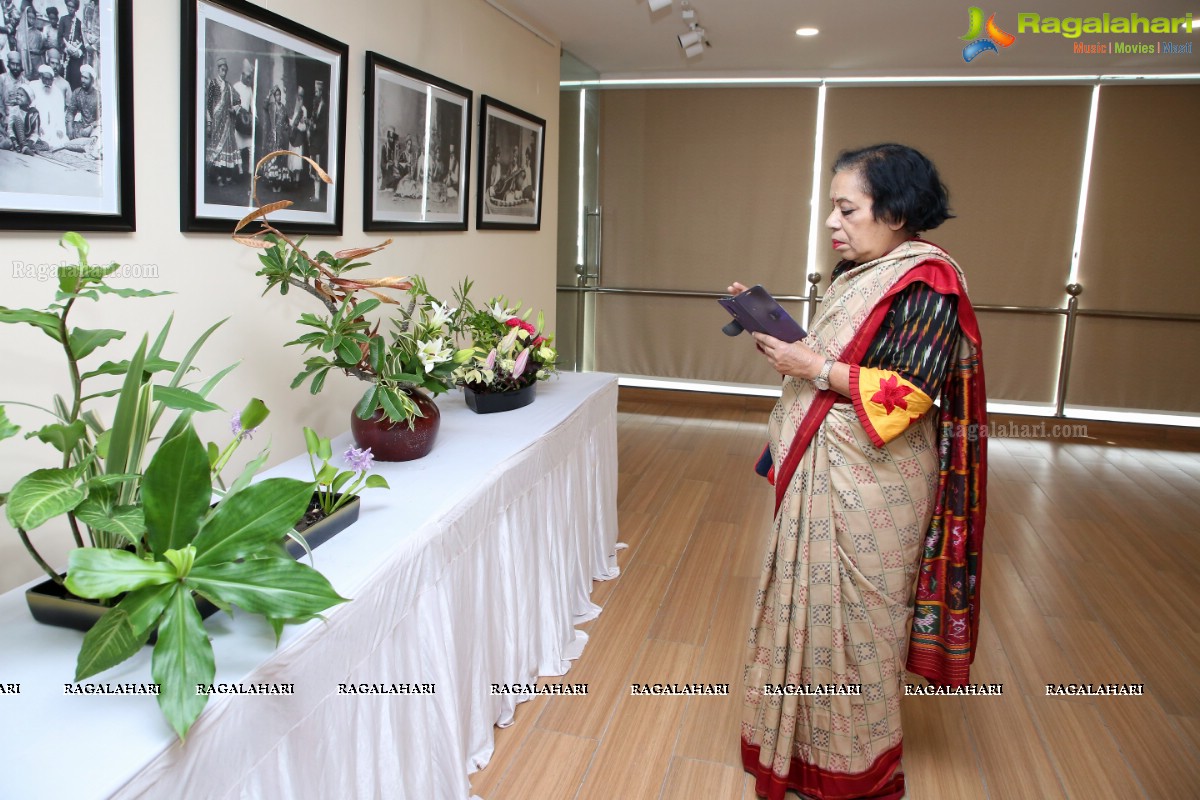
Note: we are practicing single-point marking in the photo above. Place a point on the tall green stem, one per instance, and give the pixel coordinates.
(38, 557)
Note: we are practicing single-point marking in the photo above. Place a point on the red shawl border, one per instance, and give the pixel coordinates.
(879, 782)
(931, 656)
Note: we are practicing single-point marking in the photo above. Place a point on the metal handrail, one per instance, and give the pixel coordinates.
(1072, 312)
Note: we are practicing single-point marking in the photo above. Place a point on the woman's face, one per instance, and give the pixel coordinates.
(857, 235)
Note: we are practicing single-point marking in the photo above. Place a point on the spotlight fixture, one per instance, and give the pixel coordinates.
(692, 38)
(658, 5)
(694, 50)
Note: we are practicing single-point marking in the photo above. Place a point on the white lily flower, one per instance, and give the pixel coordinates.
(441, 313)
(434, 352)
(499, 312)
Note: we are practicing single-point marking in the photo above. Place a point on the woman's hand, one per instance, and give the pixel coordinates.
(735, 288)
(790, 358)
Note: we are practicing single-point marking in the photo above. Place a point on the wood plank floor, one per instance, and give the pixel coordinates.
(1091, 575)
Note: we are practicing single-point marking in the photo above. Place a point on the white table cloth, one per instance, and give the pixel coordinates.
(471, 570)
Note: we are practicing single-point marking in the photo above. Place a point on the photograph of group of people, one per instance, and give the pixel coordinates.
(51, 85)
(420, 131)
(512, 163)
(259, 97)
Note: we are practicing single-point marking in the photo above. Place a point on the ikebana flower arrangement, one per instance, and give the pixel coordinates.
(509, 355)
(336, 488)
(413, 351)
(155, 542)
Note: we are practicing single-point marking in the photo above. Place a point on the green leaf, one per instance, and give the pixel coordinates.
(109, 642)
(123, 292)
(185, 417)
(214, 453)
(348, 352)
(146, 605)
(100, 513)
(121, 444)
(42, 495)
(376, 352)
(341, 480)
(183, 658)
(255, 413)
(176, 492)
(377, 482)
(311, 440)
(393, 409)
(82, 248)
(149, 365)
(84, 342)
(274, 587)
(366, 407)
(49, 323)
(101, 572)
(243, 480)
(115, 479)
(7, 429)
(258, 515)
(181, 559)
(367, 306)
(62, 438)
(182, 399)
(326, 474)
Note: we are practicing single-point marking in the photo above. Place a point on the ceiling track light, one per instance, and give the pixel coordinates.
(658, 5)
(692, 38)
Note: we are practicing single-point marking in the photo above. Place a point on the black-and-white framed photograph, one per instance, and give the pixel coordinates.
(66, 115)
(511, 157)
(418, 150)
(253, 83)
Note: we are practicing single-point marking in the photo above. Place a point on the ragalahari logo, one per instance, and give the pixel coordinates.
(995, 36)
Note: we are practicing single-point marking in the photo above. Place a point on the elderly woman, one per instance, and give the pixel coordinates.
(879, 494)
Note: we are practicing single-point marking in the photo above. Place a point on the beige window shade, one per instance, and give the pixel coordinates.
(1012, 158)
(1141, 241)
(676, 337)
(703, 186)
(1135, 364)
(1015, 369)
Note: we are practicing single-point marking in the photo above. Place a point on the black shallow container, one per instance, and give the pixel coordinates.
(51, 604)
(492, 402)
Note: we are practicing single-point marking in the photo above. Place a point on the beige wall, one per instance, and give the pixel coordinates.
(464, 41)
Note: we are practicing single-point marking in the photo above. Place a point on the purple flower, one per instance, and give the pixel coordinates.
(358, 460)
(235, 427)
(491, 360)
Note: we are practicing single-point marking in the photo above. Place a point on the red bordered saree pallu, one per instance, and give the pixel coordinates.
(873, 560)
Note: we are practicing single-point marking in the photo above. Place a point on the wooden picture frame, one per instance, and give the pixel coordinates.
(417, 159)
(290, 94)
(511, 147)
(70, 169)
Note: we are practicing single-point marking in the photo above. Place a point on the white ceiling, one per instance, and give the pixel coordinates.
(623, 38)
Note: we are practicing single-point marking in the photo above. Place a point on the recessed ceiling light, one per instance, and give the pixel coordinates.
(807, 31)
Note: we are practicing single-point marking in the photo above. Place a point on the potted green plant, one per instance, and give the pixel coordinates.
(411, 354)
(152, 541)
(509, 354)
(335, 504)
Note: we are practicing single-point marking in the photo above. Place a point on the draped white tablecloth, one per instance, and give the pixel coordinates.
(471, 570)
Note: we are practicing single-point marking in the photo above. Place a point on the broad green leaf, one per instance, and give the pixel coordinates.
(182, 399)
(326, 474)
(109, 642)
(62, 438)
(214, 454)
(146, 605)
(311, 439)
(120, 443)
(49, 323)
(257, 515)
(7, 429)
(100, 513)
(254, 413)
(377, 482)
(181, 559)
(100, 572)
(183, 658)
(149, 365)
(341, 480)
(273, 587)
(82, 248)
(176, 492)
(42, 495)
(84, 342)
(102, 445)
(185, 417)
(394, 410)
(324, 448)
(366, 407)
(123, 292)
(318, 382)
(376, 352)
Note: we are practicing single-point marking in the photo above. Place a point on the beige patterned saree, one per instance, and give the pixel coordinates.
(857, 485)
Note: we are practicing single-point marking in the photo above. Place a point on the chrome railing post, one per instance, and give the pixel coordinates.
(810, 302)
(1064, 365)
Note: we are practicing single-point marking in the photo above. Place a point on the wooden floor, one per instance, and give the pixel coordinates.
(1090, 576)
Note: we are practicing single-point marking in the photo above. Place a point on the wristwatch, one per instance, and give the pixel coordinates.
(822, 380)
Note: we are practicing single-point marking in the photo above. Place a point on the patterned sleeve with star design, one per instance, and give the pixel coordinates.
(902, 373)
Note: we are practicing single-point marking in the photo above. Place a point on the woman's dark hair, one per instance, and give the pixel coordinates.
(903, 184)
